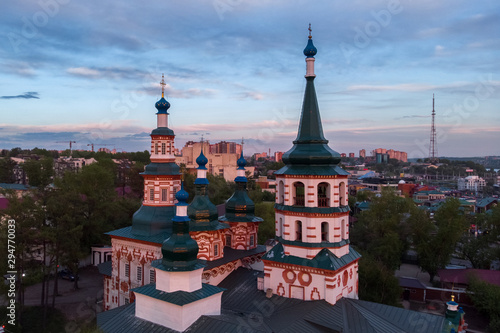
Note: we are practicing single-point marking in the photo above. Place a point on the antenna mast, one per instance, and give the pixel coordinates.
(433, 158)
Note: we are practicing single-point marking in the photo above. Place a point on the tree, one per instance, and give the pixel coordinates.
(265, 210)
(40, 173)
(382, 230)
(376, 282)
(486, 298)
(7, 170)
(435, 249)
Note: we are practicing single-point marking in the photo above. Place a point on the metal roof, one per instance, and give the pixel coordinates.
(105, 268)
(178, 297)
(325, 259)
(246, 309)
(127, 233)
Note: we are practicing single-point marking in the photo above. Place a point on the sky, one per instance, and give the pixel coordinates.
(89, 71)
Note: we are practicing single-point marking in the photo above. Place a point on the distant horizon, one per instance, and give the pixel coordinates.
(72, 71)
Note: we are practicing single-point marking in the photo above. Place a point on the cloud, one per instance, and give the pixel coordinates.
(107, 72)
(26, 95)
(412, 116)
(252, 95)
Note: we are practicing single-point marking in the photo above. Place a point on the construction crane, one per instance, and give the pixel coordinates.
(70, 145)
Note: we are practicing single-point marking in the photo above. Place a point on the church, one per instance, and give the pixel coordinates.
(182, 268)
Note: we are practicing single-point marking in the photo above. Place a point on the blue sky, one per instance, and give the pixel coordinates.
(88, 71)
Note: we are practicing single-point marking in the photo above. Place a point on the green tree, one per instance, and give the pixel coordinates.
(435, 249)
(40, 173)
(7, 170)
(382, 230)
(486, 298)
(377, 283)
(265, 210)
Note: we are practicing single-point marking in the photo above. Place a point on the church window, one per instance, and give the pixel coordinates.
(324, 231)
(139, 273)
(228, 240)
(323, 195)
(281, 193)
(298, 230)
(342, 229)
(152, 277)
(216, 250)
(164, 194)
(163, 148)
(156, 148)
(252, 240)
(299, 198)
(127, 270)
(152, 194)
(342, 194)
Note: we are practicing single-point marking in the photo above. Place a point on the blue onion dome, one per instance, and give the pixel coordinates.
(182, 195)
(241, 162)
(201, 160)
(162, 105)
(310, 50)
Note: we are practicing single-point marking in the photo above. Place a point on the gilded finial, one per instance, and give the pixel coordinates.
(162, 86)
(310, 30)
(453, 298)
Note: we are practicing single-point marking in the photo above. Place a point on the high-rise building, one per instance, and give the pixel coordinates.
(362, 153)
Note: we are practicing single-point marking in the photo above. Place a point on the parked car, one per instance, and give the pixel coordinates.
(67, 275)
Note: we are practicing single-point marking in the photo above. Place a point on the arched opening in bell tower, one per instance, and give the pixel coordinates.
(298, 194)
(323, 195)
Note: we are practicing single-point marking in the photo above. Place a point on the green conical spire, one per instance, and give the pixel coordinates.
(310, 147)
(310, 128)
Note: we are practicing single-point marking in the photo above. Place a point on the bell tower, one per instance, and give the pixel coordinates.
(312, 259)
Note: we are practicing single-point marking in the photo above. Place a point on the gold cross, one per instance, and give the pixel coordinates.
(162, 86)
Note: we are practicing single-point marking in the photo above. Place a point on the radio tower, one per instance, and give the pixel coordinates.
(433, 145)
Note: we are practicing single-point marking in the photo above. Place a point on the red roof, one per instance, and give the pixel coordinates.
(461, 276)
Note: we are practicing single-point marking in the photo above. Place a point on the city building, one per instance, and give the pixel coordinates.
(221, 164)
(351, 155)
(362, 153)
(278, 156)
(387, 154)
(471, 183)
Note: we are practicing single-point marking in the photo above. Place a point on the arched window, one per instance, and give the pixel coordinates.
(342, 194)
(324, 232)
(342, 230)
(280, 227)
(298, 194)
(163, 148)
(156, 148)
(323, 195)
(298, 230)
(281, 193)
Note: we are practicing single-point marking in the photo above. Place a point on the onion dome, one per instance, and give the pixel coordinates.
(310, 50)
(239, 207)
(182, 196)
(202, 212)
(162, 105)
(180, 251)
(202, 161)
